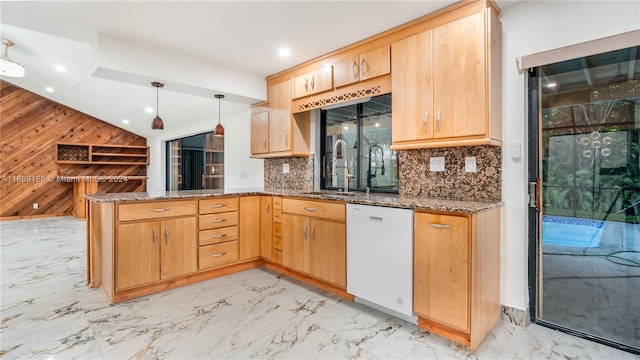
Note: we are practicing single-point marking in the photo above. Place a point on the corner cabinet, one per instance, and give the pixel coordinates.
(275, 131)
(446, 84)
(314, 239)
(457, 274)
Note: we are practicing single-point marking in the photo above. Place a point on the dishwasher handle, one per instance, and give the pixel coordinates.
(376, 218)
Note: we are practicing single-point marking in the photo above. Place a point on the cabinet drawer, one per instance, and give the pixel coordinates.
(215, 236)
(277, 202)
(320, 209)
(155, 210)
(277, 229)
(277, 257)
(277, 216)
(214, 221)
(218, 205)
(217, 255)
(277, 242)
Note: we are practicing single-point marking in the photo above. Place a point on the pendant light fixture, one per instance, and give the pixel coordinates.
(8, 67)
(219, 131)
(157, 123)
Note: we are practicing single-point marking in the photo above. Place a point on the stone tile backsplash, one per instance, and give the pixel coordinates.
(415, 178)
(300, 176)
(454, 183)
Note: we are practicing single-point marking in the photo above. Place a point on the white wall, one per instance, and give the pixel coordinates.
(241, 172)
(531, 27)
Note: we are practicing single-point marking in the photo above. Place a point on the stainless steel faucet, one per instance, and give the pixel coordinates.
(347, 176)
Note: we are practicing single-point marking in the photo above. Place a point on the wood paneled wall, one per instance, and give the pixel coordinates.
(30, 127)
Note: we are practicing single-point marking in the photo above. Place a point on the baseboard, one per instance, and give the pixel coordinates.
(25, 217)
(515, 316)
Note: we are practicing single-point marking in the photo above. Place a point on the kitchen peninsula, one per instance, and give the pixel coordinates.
(141, 243)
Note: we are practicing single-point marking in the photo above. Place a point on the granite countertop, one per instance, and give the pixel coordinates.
(375, 199)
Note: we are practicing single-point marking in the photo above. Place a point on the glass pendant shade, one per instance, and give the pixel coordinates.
(219, 130)
(157, 123)
(8, 67)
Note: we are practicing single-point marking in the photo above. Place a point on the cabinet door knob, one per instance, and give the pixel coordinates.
(439, 226)
(425, 120)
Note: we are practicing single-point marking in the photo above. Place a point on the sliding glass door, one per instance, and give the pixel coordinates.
(585, 217)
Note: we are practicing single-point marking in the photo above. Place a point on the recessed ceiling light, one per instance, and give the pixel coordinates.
(149, 109)
(551, 85)
(346, 128)
(284, 52)
(125, 121)
(49, 89)
(60, 68)
(377, 124)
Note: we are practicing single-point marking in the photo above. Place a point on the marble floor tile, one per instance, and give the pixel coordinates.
(48, 312)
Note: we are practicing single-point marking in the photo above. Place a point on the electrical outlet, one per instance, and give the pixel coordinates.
(35, 205)
(285, 168)
(436, 163)
(470, 164)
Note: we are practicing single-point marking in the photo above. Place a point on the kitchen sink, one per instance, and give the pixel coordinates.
(329, 193)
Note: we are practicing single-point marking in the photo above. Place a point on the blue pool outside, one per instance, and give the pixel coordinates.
(568, 231)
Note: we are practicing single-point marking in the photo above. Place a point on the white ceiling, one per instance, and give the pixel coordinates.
(112, 50)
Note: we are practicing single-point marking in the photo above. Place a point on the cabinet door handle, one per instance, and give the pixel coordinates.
(439, 116)
(166, 235)
(266, 207)
(439, 226)
(363, 67)
(313, 82)
(218, 236)
(155, 237)
(425, 120)
(313, 233)
(160, 209)
(354, 69)
(264, 142)
(219, 254)
(304, 231)
(310, 209)
(218, 205)
(306, 85)
(216, 221)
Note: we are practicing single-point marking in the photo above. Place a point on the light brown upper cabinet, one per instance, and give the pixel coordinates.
(446, 84)
(313, 82)
(275, 131)
(259, 130)
(365, 66)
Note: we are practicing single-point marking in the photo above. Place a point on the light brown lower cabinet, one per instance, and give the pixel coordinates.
(154, 250)
(313, 245)
(457, 274)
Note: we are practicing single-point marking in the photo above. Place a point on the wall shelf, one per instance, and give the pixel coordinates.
(101, 154)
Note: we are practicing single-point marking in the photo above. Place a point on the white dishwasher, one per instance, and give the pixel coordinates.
(380, 258)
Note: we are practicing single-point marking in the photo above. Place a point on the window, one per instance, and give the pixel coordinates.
(366, 130)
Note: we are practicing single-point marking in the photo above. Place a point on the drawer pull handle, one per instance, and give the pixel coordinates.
(310, 209)
(218, 205)
(439, 226)
(219, 254)
(218, 236)
(376, 218)
(218, 220)
(160, 209)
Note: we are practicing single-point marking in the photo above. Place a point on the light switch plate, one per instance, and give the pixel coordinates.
(516, 151)
(285, 168)
(470, 164)
(436, 163)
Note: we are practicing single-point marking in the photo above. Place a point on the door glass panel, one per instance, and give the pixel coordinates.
(589, 249)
